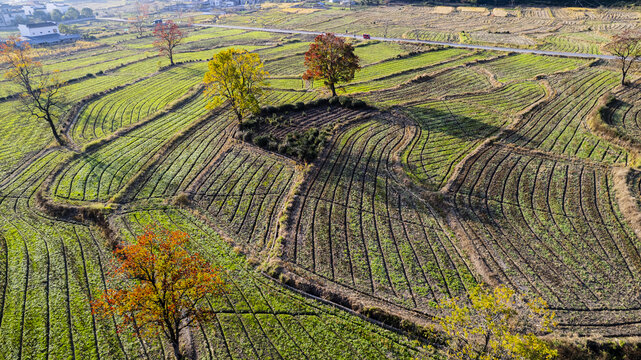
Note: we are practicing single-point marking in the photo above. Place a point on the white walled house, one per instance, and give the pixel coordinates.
(32, 8)
(39, 29)
(45, 33)
(57, 6)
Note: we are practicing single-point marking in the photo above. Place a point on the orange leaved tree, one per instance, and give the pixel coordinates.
(162, 287)
(331, 60)
(168, 36)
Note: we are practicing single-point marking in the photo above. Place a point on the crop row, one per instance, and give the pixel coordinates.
(623, 113)
(258, 319)
(392, 78)
(551, 228)
(99, 175)
(357, 226)
(452, 82)
(243, 191)
(527, 66)
(134, 103)
(446, 132)
(560, 125)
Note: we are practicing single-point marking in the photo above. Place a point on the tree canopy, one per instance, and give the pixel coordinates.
(627, 48)
(496, 324)
(235, 77)
(41, 93)
(161, 287)
(331, 60)
(168, 36)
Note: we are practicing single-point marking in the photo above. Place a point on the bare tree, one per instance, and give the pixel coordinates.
(41, 93)
(138, 21)
(627, 48)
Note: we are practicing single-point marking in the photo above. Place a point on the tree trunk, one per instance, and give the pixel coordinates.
(55, 132)
(176, 346)
(333, 88)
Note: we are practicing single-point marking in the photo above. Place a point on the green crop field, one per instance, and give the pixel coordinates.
(463, 166)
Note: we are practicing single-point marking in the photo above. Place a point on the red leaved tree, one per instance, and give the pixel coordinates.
(162, 288)
(331, 60)
(168, 36)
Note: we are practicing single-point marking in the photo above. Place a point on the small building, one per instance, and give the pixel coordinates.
(9, 14)
(30, 9)
(38, 29)
(57, 6)
(45, 33)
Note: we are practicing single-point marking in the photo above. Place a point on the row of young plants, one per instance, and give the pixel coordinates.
(521, 67)
(550, 227)
(456, 81)
(559, 126)
(355, 225)
(134, 103)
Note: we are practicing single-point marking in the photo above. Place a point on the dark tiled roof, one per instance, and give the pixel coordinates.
(39, 25)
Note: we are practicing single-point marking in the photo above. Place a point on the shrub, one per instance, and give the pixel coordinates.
(300, 105)
(345, 101)
(358, 104)
(261, 140)
(333, 100)
(247, 135)
(287, 107)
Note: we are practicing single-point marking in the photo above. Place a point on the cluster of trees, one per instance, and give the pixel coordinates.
(57, 15)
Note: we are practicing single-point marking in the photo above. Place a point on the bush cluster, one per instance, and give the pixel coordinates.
(302, 145)
(343, 101)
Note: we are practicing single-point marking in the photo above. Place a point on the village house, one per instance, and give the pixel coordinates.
(44, 33)
(9, 14)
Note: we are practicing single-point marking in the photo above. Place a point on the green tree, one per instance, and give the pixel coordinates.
(331, 60)
(86, 12)
(497, 324)
(235, 77)
(71, 14)
(40, 15)
(56, 15)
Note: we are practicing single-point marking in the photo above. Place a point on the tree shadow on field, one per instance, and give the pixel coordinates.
(462, 127)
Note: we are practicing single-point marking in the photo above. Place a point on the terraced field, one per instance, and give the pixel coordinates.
(466, 167)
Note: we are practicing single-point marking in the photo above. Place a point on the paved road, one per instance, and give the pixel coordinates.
(457, 45)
